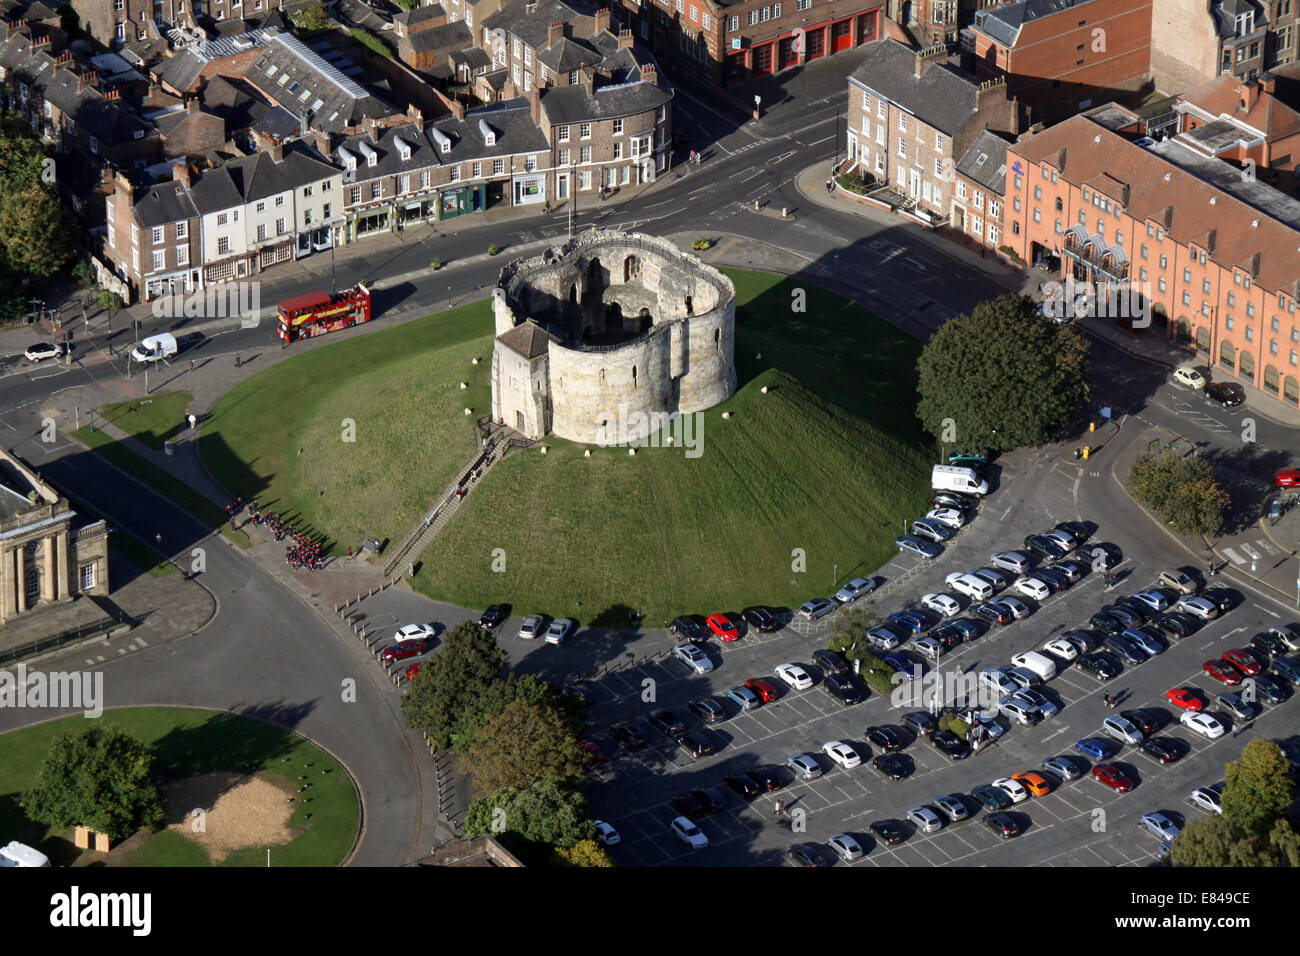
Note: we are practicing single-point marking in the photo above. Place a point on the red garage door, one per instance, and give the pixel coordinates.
(867, 24)
(763, 58)
(786, 54)
(735, 69)
(841, 35)
(816, 43)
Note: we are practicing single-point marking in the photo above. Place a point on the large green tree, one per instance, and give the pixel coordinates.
(1183, 492)
(449, 686)
(1259, 790)
(527, 742)
(36, 232)
(545, 813)
(99, 777)
(1002, 377)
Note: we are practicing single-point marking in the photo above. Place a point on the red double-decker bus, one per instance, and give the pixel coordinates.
(317, 313)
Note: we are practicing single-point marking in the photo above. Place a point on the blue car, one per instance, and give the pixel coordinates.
(910, 620)
(899, 663)
(1096, 748)
(1144, 639)
(744, 698)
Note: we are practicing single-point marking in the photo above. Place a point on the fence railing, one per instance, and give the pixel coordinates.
(58, 640)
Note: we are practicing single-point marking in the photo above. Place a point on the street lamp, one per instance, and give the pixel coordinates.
(836, 576)
(758, 102)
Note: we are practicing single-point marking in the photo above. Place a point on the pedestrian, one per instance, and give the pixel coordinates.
(1105, 698)
(193, 421)
(349, 552)
(777, 809)
(830, 185)
(236, 360)
(191, 365)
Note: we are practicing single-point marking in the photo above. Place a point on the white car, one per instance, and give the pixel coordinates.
(854, 590)
(559, 630)
(1189, 377)
(43, 350)
(531, 627)
(1018, 608)
(945, 605)
(926, 820)
(608, 835)
(948, 517)
(415, 632)
(794, 675)
(1012, 788)
(693, 656)
(1018, 711)
(1202, 723)
(1201, 607)
(848, 848)
(1062, 648)
(842, 754)
(1209, 799)
(1033, 587)
(689, 833)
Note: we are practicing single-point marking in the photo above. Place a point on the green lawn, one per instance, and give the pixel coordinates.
(153, 420)
(188, 742)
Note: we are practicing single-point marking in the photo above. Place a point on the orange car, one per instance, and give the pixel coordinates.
(1035, 783)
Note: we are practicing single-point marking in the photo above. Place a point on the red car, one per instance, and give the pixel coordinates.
(1223, 672)
(1244, 661)
(411, 671)
(403, 649)
(1185, 699)
(1288, 478)
(762, 688)
(1113, 777)
(594, 756)
(721, 625)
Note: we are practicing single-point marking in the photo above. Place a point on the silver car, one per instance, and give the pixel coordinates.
(846, 847)
(926, 820)
(693, 657)
(1160, 825)
(531, 626)
(929, 528)
(815, 608)
(928, 647)
(1121, 729)
(1013, 561)
(804, 766)
(990, 577)
(854, 590)
(952, 806)
(1208, 798)
(1200, 607)
(1037, 701)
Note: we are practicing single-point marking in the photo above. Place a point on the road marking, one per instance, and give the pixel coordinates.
(1233, 556)
(1268, 548)
(1250, 552)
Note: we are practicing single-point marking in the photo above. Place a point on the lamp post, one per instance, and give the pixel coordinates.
(758, 102)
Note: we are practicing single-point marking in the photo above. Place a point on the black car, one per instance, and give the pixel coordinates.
(1076, 529)
(947, 636)
(1100, 665)
(844, 689)
(1222, 598)
(1128, 610)
(966, 629)
(950, 744)
(1126, 649)
(768, 778)
(492, 617)
(1099, 557)
(710, 799)
(1269, 644)
(892, 766)
(1053, 579)
(708, 709)
(695, 745)
(805, 854)
(886, 738)
(626, 733)
(953, 499)
(1003, 824)
(1227, 394)
(742, 785)
(832, 662)
(1164, 749)
(1085, 642)
(760, 619)
(1104, 622)
(921, 722)
(1270, 692)
(668, 722)
(889, 831)
(1174, 624)
(1074, 570)
(1287, 668)
(688, 627)
(1143, 720)
(685, 805)
(993, 613)
(1045, 548)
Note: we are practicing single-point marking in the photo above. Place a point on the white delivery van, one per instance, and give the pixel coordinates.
(155, 347)
(958, 478)
(20, 854)
(1040, 664)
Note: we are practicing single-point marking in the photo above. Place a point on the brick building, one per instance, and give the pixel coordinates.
(979, 189)
(1219, 257)
(932, 22)
(911, 115)
(1199, 39)
(1062, 56)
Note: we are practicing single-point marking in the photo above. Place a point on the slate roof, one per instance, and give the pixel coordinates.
(448, 36)
(572, 104)
(528, 339)
(512, 122)
(1003, 23)
(534, 28)
(939, 97)
(985, 162)
(476, 58)
(1222, 95)
(166, 202)
(568, 55)
(432, 11)
(387, 151)
(242, 109)
(257, 177)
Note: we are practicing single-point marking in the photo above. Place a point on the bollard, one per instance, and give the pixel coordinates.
(1092, 426)
(755, 205)
(1087, 449)
(784, 212)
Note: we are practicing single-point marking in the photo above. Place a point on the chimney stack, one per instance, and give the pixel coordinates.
(181, 173)
(925, 56)
(650, 74)
(13, 26)
(555, 33)
(535, 105)
(415, 116)
(625, 39)
(1248, 94)
(125, 187)
(323, 142)
(602, 21)
(191, 104)
(113, 94)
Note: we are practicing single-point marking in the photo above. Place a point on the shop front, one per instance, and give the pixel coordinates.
(530, 189)
(460, 200)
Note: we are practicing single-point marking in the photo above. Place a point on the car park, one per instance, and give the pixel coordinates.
(667, 722)
(1209, 799)
(930, 529)
(918, 546)
(1003, 824)
(742, 785)
(997, 682)
(693, 656)
(1153, 599)
(1128, 612)
(1198, 606)
(1072, 571)
(1113, 777)
(1064, 540)
(765, 689)
(1235, 705)
(761, 619)
(1223, 672)
(900, 664)
(1222, 599)
(888, 832)
(744, 698)
(884, 638)
(492, 617)
(886, 738)
(1039, 664)
(952, 806)
(965, 628)
(921, 723)
(1121, 729)
(1033, 587)
(794, 676)
(1288, 636)
(1178, 579)
(1099, 557)
(1084, 641)
(816, 608)
(1013, 561)
(1144, 638)
(951, 518)
(1100, 664)
(969, 586)
(892, 766)
(842, 753)
(626, 733)
(689, 833)
(1189, 377)
(1270, 644)
(1037, 701)
(925, 819)
(720, 625)
(1066, 767)
(1202, 723)
(1144, 720)
(969, 459)
(928, 647)
(1035, 783)
(1043, 547)
(1106, 623)
(710, 799)
(845, 689)
(992, 798)
(805, 854)
(1054, 580)
(1184, 698)
(688, 627)
(1173, 624)
(1061, 648)
(954, 499)
(1017, 608)
(1269, 691)
(606, 833)
(1244, 661)
(1012, 788)
(855, 589)
(846, 847)
(767, 778)
(708, 709)
(1097, 748)
(944, 637)
(1018, 712)
(950, 745)
(530, 627)
(804, 766)
(559, 630)
(993, 613)
(403, 650)
(992, 729)
(1159, 825)
(411, 671)
(1023, 677)
(941, 603)
(580, 692)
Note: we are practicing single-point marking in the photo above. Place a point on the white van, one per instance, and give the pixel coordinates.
(1040, 664)
(20, 854)
(155, 347)
(971, 586)
(958, 478)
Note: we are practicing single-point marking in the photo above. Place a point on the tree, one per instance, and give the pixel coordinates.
(544, 813)
(99, 777)
(582, 853)
(35, 230)
(852, 624)
(1183, 492)
(499, 695)
(1259, 791)
(309, 18)
(1002, 377)
(527, 742)
(448, 686)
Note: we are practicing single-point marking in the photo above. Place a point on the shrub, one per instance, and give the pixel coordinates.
(701, 244)
(853, 182)
(110, 300)
(1011, 254)
(493, 250)
(435, 265)
(83, 274)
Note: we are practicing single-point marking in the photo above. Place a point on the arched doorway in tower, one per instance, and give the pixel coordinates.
(631, 268)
